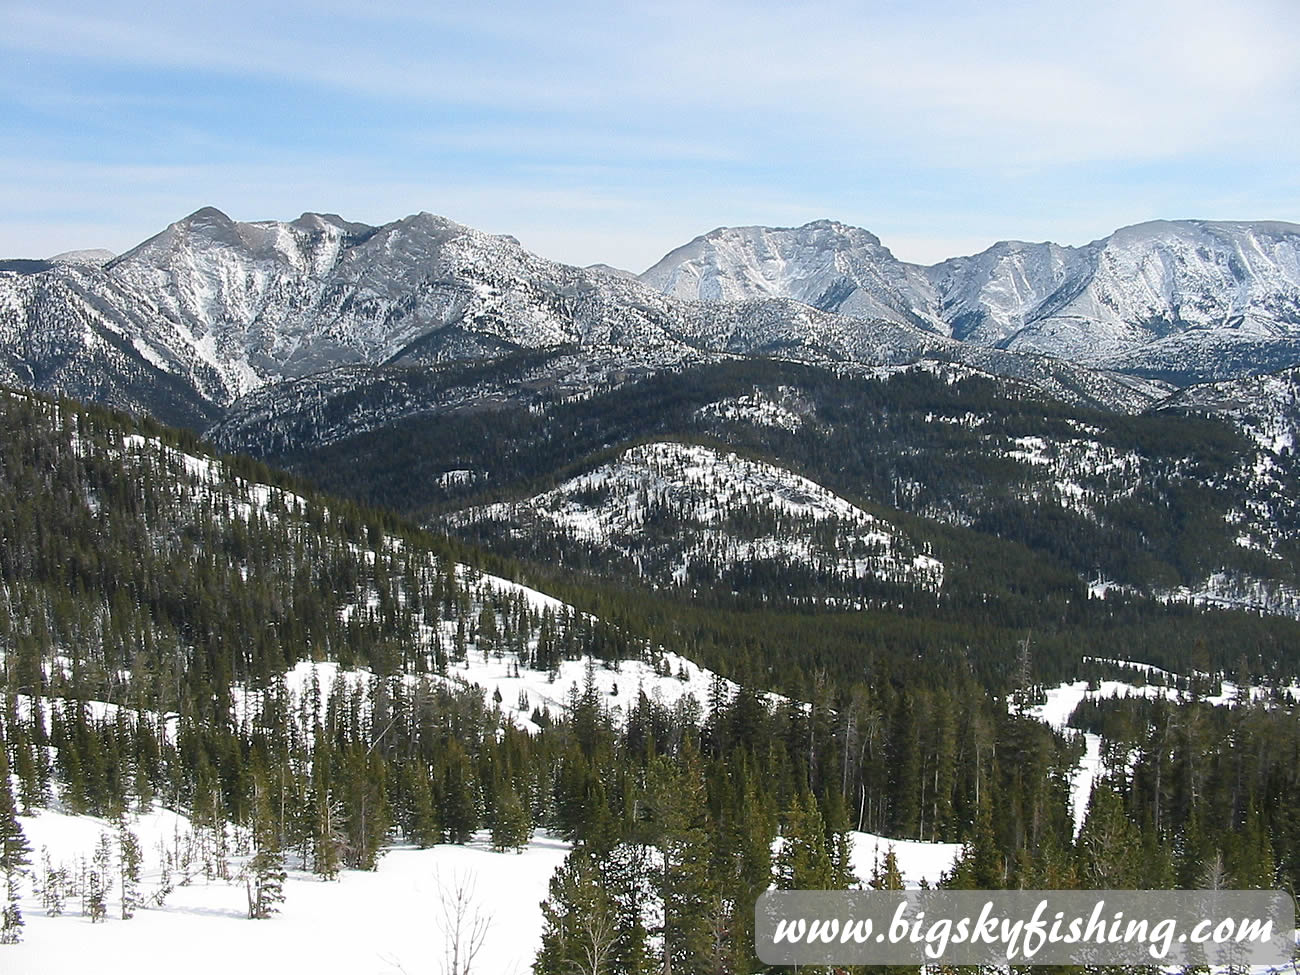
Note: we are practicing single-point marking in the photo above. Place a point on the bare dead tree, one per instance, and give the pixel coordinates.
(462, 920)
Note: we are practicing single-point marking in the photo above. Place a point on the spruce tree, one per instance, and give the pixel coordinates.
(752, 828)
(26, 767)
(129, 859)
(804, 862)
(885, 873)
(580, 925)
(839, 843)
(422, 817)
(14, 858)
(512, 826)
(327, 836)
(366, 810)
(1109, 847)
(460, 795)
(98, 885)
(54, 882)
(678, 802)
(265, 875)
(981, 865)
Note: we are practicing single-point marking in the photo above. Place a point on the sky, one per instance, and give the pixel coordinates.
(610, 132)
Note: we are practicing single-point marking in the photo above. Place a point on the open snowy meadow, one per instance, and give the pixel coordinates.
(386, 922)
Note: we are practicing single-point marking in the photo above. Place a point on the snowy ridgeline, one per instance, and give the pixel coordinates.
(1152, 280)
(720, 511)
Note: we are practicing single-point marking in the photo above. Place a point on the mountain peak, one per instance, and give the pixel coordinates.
(206, 215)
(824, 263)
(317, 222)
(94, 257)
(823, 225)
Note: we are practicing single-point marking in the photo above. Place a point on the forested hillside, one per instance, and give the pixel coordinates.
(1157, 501)
(292, 674)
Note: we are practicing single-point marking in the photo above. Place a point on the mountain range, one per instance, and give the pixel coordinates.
(1159, 298)
(1032, 393)
(211, 310)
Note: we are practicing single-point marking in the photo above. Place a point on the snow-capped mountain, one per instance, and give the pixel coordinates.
(226, 307)
(833, 267)
(1166, 298)
(95, 257)
(212, 309)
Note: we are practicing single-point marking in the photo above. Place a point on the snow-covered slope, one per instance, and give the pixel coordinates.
(1267, 407)
(385, 921)
(1155, 280)
(828, 265)
(95, 257)
(988, 297)
(691, 515)
(1163, 298)
(212, 309)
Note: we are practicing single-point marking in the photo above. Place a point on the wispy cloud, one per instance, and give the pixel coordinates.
(938, 121)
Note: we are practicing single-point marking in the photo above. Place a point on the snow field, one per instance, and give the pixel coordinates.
(387, 922)
(917, 860)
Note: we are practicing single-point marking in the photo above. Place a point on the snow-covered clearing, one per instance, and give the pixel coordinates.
(674, 682)
(386, 922)
(916, 860)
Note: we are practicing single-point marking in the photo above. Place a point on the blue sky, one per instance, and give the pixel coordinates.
(614, 132)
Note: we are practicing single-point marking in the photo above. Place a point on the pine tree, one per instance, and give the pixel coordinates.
(839, 843)
(886, 874)
(1109, 846)
(327, 836)
(97, 884)
(580, 925)
(682, 830)
(1251, 852)
(129, 859)
(366, 809)
(748, 832)
(265, 875)
(422, 826)
(14, 857)
(53, 885)
(326, 825)
(26, 767)
(803, 862)
(460, 795)
(512, 826)
(981, 865)
(11, 918)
